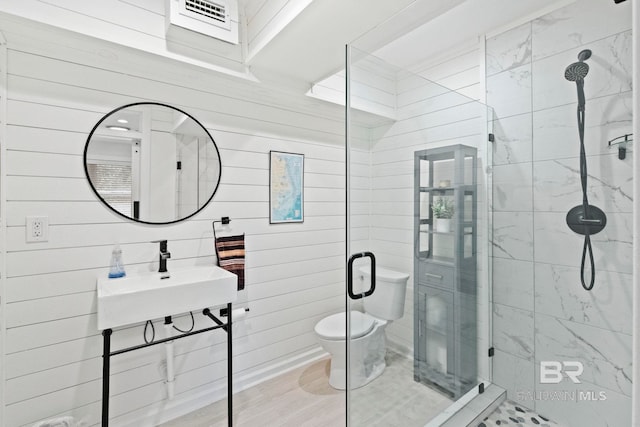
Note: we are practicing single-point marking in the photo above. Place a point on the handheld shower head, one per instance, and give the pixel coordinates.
(575, 71)
(578, 70)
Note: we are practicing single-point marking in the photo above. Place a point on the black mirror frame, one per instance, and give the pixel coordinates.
(86, 171)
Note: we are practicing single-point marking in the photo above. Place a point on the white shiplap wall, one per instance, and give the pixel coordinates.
(461, 70)
(139, 24)
(294, 273)
(3, 228)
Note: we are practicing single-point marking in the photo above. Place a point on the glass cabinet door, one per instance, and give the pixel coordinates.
(435, 331)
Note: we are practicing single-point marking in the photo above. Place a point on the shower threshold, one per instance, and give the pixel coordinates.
(471, 408)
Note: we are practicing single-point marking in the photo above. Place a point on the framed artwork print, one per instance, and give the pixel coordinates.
(286, 187)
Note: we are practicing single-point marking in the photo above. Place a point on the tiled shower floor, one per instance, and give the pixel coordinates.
(511, 414)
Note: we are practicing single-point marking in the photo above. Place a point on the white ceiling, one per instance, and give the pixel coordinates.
(459, 25)
(311, 46)
(402, 32)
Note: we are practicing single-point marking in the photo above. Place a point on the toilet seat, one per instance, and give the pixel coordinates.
(333, 327)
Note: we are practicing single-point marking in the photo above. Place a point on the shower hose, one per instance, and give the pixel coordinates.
(586, 248)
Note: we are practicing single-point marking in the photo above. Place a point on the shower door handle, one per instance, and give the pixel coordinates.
(350, 275)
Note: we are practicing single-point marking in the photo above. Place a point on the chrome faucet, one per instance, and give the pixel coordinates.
(164, 256)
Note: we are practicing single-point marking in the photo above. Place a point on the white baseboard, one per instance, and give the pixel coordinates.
(181, 405)
(400, 348)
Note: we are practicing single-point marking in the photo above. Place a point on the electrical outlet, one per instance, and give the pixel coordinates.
(37, 229)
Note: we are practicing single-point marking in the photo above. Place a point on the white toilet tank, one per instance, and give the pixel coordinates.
(387, 301)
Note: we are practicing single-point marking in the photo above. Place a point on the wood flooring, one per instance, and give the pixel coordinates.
(303, 398)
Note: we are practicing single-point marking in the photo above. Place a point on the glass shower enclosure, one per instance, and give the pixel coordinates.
(417, 241)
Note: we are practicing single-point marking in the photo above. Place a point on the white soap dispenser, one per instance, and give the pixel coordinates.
(116, 268)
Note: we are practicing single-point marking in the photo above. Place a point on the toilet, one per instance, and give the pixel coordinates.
(368, 346)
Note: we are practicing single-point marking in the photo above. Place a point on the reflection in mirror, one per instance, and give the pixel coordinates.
(152, 163)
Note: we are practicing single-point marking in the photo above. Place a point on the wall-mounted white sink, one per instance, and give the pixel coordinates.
(135, 299)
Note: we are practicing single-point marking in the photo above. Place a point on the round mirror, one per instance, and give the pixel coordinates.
(152, 163)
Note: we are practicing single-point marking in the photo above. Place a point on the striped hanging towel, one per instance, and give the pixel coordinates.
(230, 251)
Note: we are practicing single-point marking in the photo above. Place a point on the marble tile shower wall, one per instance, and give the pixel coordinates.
(541, 312)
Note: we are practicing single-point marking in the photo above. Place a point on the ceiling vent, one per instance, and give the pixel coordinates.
(214, 18)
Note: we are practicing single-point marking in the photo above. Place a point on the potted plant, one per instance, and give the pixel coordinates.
(443, 212)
